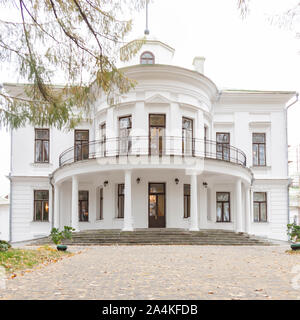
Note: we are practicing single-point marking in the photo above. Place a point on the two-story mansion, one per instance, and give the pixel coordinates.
(176, 152)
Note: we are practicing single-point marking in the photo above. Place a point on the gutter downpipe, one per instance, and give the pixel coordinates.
(286, 128)
(52, 208)
(10, 189)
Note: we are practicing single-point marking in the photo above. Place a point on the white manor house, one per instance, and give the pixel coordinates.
(175, 152)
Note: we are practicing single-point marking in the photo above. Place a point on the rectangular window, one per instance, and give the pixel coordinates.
(223, 146)
(187, 200)
(223, 206)
(259, 149)
(205, 141)
(157, 126)
(187, 136)
(103, 139)
(41, 205)
(100, 211)
(260, 206)
(83, 205)
(81, 144)
(125, 125)
(120, 200)
(41, 145)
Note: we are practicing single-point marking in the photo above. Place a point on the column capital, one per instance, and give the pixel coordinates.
(193, 172)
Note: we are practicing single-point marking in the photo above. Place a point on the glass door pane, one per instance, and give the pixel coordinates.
(152, 206)
(187, 136)
(156, 134)
(157, 205)
(156, 141)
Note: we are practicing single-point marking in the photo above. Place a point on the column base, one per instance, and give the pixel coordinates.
(127, 229)
(194, 229)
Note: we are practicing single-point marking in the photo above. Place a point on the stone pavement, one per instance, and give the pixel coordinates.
(164, 272)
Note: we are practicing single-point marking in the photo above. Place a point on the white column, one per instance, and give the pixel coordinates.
(203, 207)
(56, 205)
(128, 223)
(75, 216)
(194, 226)
(238, 206)
(247, 211)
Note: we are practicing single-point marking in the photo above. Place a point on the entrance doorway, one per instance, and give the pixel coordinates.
(157, 205)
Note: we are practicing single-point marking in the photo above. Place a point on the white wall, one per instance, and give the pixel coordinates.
(22, 202)
(4, 222)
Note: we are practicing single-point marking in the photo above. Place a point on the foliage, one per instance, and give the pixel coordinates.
(15, 260)
(288, 18)
(293, 231)
(4, 245)
(57, 236)
(77, 40)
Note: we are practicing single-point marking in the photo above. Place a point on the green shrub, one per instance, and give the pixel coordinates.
(57, 236)
(293, 231)
(4, 245)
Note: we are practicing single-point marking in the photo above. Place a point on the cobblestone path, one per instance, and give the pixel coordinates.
(164, 272)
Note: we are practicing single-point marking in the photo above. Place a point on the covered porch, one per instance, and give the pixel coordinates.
(130, 199)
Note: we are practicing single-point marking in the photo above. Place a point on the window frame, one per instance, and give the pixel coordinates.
(128, 136)
(222, 144)
(151, 59)
(259, 207)
(80, 205)
(42, 140)
(81, 144)
(161, 138)
(103, 138)
(222, 211)
(188, 197)
(42, 202)
(120, 196)
(183, 138)
(258, 155)
(100, 203)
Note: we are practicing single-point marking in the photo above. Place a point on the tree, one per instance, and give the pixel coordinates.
(74, 40)
(288, 18)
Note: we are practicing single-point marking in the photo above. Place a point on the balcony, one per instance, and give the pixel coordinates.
(154, 146)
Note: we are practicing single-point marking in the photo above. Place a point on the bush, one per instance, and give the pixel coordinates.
(4, 245)
(293, 231)
(57, 236)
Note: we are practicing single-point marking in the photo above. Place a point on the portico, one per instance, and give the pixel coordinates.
(130, 199)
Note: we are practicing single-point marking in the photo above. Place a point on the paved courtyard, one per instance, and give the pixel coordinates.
(164, 272)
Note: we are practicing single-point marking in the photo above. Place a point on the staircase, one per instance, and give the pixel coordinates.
(164, 237)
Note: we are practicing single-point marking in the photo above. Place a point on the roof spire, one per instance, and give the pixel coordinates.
(146, 32)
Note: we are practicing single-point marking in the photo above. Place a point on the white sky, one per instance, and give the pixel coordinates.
(240, 54)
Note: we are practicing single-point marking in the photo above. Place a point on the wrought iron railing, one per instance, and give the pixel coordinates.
(153, 146)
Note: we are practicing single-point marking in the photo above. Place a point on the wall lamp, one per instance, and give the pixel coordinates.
(176, 180)
(138, 180)
(105, 183)
(205, 184)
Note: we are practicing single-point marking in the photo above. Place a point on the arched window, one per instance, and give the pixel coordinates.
(147, 58)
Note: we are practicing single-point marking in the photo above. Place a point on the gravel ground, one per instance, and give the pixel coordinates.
(163, 272)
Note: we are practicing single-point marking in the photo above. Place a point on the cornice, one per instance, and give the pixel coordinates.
(176, 73)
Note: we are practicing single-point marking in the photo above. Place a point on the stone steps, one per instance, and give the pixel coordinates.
(163, 237)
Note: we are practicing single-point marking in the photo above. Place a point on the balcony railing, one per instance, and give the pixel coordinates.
(153, 146)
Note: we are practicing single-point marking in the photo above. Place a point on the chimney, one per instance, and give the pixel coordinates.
(198, 64)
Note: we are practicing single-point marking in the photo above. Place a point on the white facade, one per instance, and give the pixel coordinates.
(294, 191)
(136, 161)
(4, 218)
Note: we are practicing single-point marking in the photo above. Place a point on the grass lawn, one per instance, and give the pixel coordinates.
(17, 260)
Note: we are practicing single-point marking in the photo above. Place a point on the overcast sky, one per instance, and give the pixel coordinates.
(240, 54)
